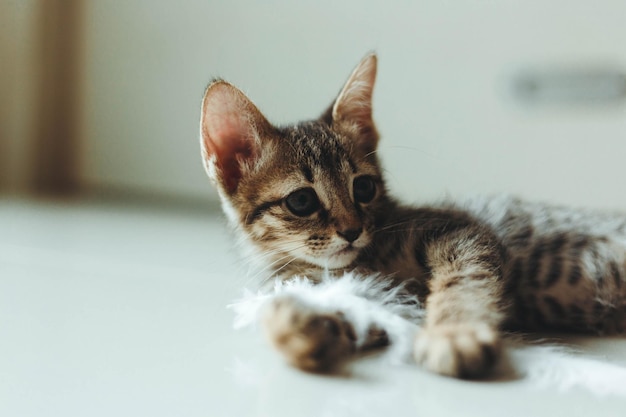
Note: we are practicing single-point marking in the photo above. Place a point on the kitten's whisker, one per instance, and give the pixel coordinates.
(392, 225)
(408, 223)
(268, 278)
(410, 229)
(261, 257)
(272, 252)
(269, 266)
(285, 265)
(369, 154)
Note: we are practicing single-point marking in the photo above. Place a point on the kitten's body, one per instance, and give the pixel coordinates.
(310, 200)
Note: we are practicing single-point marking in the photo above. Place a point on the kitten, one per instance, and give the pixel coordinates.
(310, 200)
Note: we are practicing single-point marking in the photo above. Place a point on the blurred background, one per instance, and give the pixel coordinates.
(480, 96)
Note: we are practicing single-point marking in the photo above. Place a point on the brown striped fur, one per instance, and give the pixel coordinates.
(477, 266)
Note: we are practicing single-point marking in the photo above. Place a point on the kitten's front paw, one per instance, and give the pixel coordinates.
(465, 350)
(309, 340)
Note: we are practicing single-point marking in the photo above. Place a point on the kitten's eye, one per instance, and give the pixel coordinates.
(303, 202)
(364, 189)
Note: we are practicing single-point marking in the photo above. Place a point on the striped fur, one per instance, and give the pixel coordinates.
(477, 266)
(566, 267)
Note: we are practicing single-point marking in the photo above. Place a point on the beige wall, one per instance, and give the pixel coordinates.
(41, 87)
(18, 60)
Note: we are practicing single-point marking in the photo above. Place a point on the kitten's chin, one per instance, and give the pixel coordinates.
(341, 259)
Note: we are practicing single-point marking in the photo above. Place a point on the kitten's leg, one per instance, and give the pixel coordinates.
(318, 327)
(464, 308)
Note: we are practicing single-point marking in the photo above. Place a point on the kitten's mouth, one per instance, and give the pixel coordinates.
(348, 249)
(343, 257)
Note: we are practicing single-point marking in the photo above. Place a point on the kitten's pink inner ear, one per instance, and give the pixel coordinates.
(355, 99)
(354, 103)
(228, 131)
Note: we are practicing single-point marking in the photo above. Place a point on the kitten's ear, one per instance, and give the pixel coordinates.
(352, 108)
(231, 128)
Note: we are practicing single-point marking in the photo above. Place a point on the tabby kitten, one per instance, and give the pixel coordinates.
(310, 200)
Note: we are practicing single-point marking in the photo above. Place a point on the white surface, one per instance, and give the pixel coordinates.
(108, 310)
(443, 100)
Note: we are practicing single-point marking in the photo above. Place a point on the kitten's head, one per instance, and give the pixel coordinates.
(310, 193)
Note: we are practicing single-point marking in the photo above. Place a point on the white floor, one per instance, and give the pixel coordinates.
(120, 310)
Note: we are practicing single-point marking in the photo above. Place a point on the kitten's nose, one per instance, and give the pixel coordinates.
(351, 234)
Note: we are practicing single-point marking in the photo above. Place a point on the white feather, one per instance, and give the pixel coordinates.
(367, 300)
